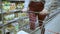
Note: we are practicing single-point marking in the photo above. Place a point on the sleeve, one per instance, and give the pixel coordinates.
(26, 3)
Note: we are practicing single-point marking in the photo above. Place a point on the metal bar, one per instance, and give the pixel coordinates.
(29, 12)
(2, 17)
(16, 0)
(35, 30)
(11, 11)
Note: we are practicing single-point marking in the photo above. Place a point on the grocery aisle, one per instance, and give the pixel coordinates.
(12, 20)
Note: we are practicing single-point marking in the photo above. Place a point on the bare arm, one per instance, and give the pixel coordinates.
(26, 3)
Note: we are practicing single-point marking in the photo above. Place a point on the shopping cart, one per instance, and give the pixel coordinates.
(37, 27)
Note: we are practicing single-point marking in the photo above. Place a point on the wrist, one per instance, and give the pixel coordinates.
(25, 9)
(45, 10)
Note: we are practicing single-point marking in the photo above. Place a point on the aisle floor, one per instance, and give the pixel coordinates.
(37, 32)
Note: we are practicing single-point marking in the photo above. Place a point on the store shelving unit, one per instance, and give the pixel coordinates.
(20, 21)
(8, 22)
(11, 11)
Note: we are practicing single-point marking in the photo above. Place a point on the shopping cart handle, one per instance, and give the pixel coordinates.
(29, 12)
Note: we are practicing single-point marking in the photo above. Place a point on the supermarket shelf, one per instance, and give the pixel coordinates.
(12, 21)
(16, 19)
(23, 17)
(16, 0)
(9, 22)
(11, 11)
(16, 11)
(29, 12)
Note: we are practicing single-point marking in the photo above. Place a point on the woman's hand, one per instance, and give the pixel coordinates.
(44, 12)
(24, 9)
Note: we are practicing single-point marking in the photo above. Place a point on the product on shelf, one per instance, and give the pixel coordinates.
(6, 6)
(22, 17)
(12, 28)
(9, 17)
(23, 22)
(1, 22)
(0, 31)
(7, 32)
(26, 20)
(9, 29)
(20, 5)
(12, 6)
(20, 22)
(16, 26)
(22, 14)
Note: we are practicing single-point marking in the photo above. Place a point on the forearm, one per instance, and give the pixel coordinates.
(26, 3)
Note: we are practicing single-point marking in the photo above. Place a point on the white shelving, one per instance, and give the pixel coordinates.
(16, 0)
(11, 11)
(0, 11)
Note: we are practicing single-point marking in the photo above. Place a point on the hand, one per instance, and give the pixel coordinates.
(24, 10)
(44, 12)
